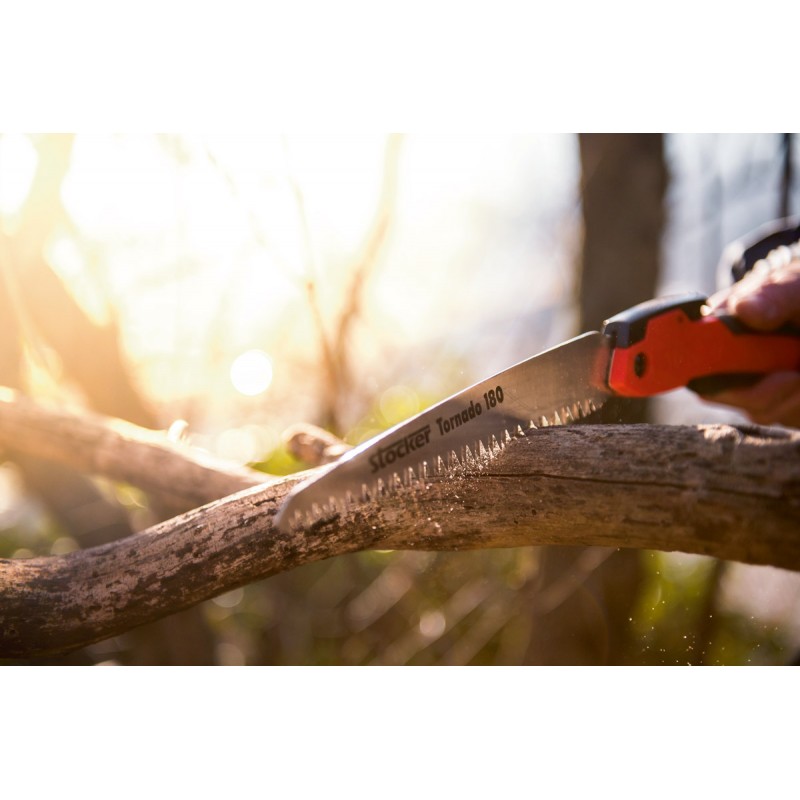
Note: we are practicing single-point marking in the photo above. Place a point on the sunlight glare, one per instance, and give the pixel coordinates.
(251, 372)
(120, 186)
(339, 177)
(18, 161)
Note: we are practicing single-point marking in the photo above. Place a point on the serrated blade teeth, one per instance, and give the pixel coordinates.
(475, 455)
(467, 430)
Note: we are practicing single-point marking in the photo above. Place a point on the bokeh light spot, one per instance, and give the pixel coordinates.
(251, 372)
(432, 624)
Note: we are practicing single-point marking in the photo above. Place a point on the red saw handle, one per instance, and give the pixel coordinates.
(668, 343)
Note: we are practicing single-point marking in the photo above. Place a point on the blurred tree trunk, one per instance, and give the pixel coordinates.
(39, 314)
(787, 175)
(623, 183)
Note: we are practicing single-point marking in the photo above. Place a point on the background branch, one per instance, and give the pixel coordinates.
(313, 445)
(730, 492)
(177, 476)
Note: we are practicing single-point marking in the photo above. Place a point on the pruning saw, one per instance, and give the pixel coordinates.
(654, 347)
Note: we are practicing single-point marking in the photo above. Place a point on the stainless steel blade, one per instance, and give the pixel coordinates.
(466, 430)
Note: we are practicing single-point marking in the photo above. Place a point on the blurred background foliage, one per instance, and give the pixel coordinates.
(246, 283)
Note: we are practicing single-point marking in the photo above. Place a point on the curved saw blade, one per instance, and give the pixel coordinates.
(555, 387)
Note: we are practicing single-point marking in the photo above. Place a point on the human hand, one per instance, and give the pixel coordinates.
(766, 298)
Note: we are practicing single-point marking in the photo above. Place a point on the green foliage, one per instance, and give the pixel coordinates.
(279, 462)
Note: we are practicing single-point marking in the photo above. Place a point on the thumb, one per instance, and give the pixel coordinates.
(766, 302)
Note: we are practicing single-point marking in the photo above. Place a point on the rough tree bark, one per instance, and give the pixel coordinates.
(729, 492)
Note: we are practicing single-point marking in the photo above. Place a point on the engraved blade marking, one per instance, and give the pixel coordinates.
(555, 387)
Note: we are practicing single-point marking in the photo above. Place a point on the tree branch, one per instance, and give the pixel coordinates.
(315, 446)
(179, 477)
(729, 492)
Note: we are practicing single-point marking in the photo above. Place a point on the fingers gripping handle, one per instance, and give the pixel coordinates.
(669, 343)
